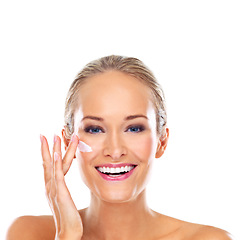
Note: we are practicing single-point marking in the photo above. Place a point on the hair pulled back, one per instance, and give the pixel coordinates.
(129, 65)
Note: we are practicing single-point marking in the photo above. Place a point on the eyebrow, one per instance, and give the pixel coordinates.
(131, 117)
(93, 118)
(135, 116)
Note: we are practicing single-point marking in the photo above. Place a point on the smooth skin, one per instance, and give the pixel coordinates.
(116, 117)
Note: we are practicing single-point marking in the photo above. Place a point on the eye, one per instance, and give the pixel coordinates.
(93, 130)
(136, 129)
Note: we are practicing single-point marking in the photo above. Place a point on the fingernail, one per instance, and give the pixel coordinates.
(41, 138)
(55, 138)
(56, 156)
(73, 137)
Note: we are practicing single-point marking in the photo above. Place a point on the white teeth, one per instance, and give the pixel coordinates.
(115, 170)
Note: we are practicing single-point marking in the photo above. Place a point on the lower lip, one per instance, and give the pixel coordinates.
(118, 178)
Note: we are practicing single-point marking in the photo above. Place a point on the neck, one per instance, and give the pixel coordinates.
(126, 220)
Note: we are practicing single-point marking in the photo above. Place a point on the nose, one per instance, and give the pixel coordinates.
(114, 146)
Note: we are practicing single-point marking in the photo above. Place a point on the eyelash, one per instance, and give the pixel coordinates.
(90, 129)
(140, 128)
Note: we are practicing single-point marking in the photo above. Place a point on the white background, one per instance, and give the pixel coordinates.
(193, 49)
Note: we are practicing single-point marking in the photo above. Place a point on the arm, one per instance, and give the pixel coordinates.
(66, 222)
(31, 227)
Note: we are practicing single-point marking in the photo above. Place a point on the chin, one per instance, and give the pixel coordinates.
(117, 195)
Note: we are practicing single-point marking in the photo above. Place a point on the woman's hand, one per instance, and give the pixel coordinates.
(68, 222)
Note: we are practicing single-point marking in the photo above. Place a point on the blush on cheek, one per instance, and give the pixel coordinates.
(143, 147)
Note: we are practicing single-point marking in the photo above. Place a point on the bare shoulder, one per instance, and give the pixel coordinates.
(178, 229)
(210, 233)
(32, 227)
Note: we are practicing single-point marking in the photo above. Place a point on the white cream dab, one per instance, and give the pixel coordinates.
(83, 147)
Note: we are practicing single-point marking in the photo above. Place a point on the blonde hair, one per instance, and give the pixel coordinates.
(128, 65)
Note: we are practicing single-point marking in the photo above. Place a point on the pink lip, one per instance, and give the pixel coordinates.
(119, 178)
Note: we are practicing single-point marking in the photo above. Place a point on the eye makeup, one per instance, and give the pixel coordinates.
(134, 128)
(93, 129)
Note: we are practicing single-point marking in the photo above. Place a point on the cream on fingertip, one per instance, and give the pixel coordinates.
(83, 147)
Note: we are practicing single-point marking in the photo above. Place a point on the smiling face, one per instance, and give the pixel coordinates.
(116, 117)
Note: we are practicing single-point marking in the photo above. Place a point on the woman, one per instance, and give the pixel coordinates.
(115, 126)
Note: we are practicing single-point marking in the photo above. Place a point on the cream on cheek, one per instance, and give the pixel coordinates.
(84, 145)
(96, 148)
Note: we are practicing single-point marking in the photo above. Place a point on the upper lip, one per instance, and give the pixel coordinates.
(111, 165)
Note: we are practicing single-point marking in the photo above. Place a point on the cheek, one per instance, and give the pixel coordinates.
(87, 159)
(143, 147)
(85, 164)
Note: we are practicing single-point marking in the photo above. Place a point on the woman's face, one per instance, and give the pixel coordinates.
(117, 119)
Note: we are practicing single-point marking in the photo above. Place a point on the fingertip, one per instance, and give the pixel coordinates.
(74, 138)
(41, 138)
(55, 138)
(57, 144)
(77, 138)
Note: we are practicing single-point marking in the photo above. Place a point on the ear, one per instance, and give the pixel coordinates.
(162, 144)
(65, 139)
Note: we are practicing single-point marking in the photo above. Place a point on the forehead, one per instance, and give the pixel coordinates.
(114, 92)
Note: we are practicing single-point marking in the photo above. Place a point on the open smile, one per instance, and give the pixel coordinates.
(116, 172)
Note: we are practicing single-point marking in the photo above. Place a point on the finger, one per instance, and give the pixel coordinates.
(52, 193)
(64, 200)
(47, 160)
(57, 149)
(57, 145)
(58, 171)
(62, 193)
(67, 215)
(61, 188)
(70, 153)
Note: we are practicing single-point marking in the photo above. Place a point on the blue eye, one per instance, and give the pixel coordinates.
(93, 129)
(135, 129)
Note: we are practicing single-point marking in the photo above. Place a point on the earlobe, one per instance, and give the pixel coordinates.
(159, 152)
(65, 139)
(162, 144)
